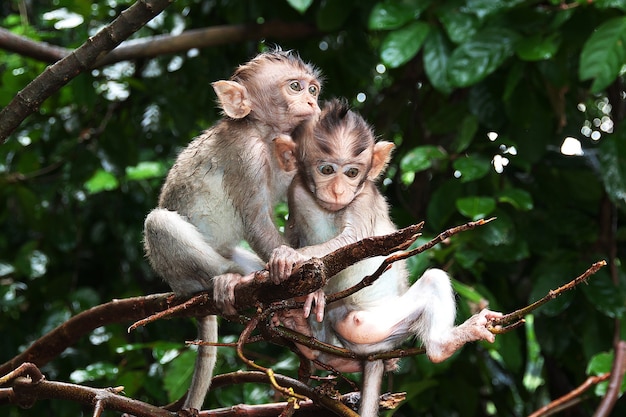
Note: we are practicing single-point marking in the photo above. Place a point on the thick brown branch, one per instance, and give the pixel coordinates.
(55, 342)
(261, 290)
(57, 75)
(29, 386)
(41, 51)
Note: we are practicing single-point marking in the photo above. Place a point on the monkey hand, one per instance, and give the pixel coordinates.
(224, 290)
(477, 325)
(283, 261)
(315, 301)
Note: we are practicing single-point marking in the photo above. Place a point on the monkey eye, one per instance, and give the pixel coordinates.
(326, 169)
(295, 86)
(352, 172)
(314, 90)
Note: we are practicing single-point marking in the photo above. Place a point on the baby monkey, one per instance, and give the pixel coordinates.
(223, 189)
(333, 201)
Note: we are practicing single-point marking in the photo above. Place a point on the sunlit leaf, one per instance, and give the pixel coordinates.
(392, 14)
(604, 54)
(101, 181)
(300, 5)
(145, 170)
(534, 363)
(421, 158)
(402, 44)
(480, 56)
(476, 207)
(98, 370)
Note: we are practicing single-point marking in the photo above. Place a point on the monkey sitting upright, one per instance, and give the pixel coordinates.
(223, 189)
(333, 201)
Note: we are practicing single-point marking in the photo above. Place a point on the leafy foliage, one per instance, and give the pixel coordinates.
(478, 95)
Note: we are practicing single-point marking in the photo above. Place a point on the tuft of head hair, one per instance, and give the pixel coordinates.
(246, 71)
(337, 114)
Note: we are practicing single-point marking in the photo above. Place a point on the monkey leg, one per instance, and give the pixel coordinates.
(181, 254)
(205, 363)
(427, 309)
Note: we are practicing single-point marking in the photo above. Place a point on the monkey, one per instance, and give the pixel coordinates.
(333, 201)
(223, 187)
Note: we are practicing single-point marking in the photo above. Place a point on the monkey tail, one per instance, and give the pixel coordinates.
(370, 392)
(205, 362)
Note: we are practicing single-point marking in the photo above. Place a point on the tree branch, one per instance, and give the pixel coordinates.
(152, 46)
(57, 75)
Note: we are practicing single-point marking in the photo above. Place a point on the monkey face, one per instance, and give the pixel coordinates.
(336, 185)
(301, 96)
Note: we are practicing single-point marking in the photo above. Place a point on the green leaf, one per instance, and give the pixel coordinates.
(98, 370)
(436, 56)
(177, 375)
(392, 14)
(518, 198)
(101, 181)
(534, 363)
(612, 166)
(467, 132)
(401, 45)
(484, 8)
(480, 56)
(441, 205)
(536, 48)
(476, 208)
(604, 54)
(608, 298)
(548, 279)
(472, 168)
(420, 159)
(458, 24)
(145, 170)
(601, 364)
(300, 5)
(610, 4)
(468, 293)
(332, 15)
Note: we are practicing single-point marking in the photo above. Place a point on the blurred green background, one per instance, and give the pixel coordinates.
(512, 109)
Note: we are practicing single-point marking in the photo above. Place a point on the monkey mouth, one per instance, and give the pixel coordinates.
(331, 206)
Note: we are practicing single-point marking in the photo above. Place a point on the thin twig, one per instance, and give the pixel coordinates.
(518, 315)
(370, 279)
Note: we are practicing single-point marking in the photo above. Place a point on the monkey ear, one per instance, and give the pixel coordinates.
(380, 159)
(233, 98)
(285, 152)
